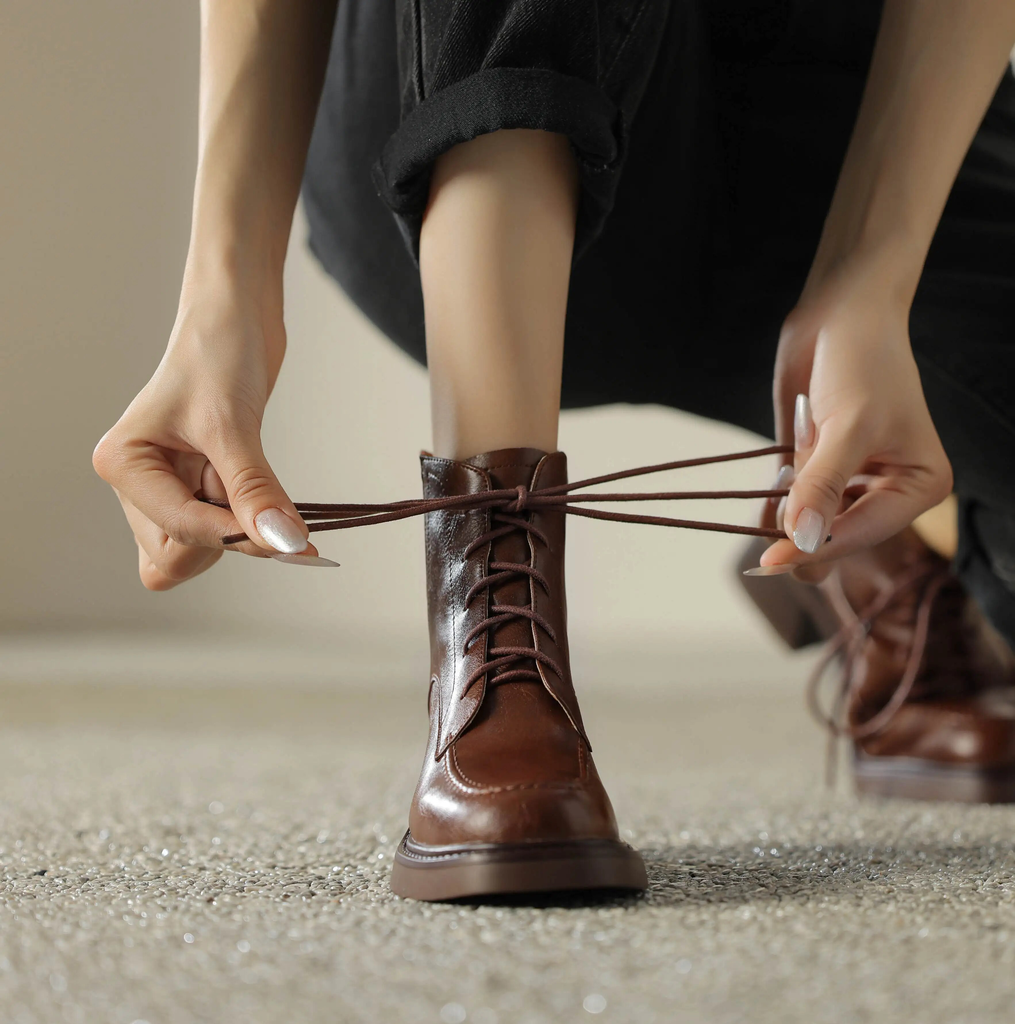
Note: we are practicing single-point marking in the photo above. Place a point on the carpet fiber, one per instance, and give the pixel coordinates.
(172, 855)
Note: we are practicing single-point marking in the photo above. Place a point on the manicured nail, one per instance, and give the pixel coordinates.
(809, 532)
(803, 423)
(783, 481)
(277, 529)
(780, 515)
(770, 570)
(305, 560)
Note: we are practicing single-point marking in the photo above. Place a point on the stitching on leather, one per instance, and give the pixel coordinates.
(427, 858)
(513, 465)
(404, 851)
(430, 459)
(474, 786)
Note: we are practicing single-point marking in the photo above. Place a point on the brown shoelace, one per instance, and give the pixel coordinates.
(849, 643)
(509, 508)
(502, 664)
(516, 500)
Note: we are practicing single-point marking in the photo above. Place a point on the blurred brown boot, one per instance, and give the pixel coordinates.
(928, 689)
(508, 799)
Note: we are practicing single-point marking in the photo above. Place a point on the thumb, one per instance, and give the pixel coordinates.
(260, 505)
(816, 495)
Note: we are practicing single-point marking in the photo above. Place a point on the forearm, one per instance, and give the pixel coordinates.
(262, 66)
(935, 67)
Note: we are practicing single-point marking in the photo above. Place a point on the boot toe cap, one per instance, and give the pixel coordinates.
(547, 812)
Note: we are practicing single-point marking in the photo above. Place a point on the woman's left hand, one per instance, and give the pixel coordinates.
(847, 394)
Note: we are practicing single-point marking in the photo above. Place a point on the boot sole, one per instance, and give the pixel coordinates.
(911, 778)
(801, 616)
(448, 873)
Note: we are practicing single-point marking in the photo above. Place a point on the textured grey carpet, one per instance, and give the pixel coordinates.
(172, 856)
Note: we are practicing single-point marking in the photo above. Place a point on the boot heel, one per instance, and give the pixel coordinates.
(797, 611)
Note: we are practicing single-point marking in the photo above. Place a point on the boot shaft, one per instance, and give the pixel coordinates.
(469, 580)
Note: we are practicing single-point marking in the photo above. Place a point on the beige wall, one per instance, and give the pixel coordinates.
(98, 128)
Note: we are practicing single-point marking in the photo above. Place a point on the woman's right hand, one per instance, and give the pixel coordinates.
(196, 427)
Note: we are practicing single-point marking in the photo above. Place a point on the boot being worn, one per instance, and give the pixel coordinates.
(928, 691)
(508, 799)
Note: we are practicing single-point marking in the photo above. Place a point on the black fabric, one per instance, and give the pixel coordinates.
(709, 145)
(504, 98)
(577, 67)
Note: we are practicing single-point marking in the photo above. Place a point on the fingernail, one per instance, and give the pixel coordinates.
(306, 560)
(803, 423)
(809, 531)
(785, 477)
(770, 570)
(780, 515)
(278, 530)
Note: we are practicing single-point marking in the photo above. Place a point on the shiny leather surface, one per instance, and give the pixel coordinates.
(961, 710)
(506, 762)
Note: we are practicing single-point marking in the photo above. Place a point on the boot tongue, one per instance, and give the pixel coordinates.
(508, 467)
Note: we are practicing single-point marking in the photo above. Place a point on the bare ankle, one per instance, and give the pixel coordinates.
(495, 265)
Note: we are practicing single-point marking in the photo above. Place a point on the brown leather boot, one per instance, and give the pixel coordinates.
(928, 692)
(508, 799)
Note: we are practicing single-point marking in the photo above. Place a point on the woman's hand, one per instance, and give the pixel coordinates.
(846, 345)
(867, 458)
(196, 426)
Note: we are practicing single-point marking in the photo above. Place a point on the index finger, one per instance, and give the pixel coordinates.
(145, 477)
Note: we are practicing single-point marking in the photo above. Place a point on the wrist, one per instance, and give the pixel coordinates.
(226, 269)
(886, 266)
(871, 229)
(238, 236)
(229, 308)
(240, 260)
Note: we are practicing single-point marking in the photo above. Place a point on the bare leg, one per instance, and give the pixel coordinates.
(938, 527)
(495, 263)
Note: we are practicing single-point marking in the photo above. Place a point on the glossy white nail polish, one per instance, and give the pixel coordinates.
(306, 560)
(803, 423)
(809, 533)
(770, 570)
(278, 530)
(784, 479)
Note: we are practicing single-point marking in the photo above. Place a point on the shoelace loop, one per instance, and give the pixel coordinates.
(510, 510)
(849, 642)
(523, 499)
(321, 517)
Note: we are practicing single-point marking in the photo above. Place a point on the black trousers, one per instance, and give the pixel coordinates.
(708, 136)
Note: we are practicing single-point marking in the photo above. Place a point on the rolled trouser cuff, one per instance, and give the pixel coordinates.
(488, 101)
